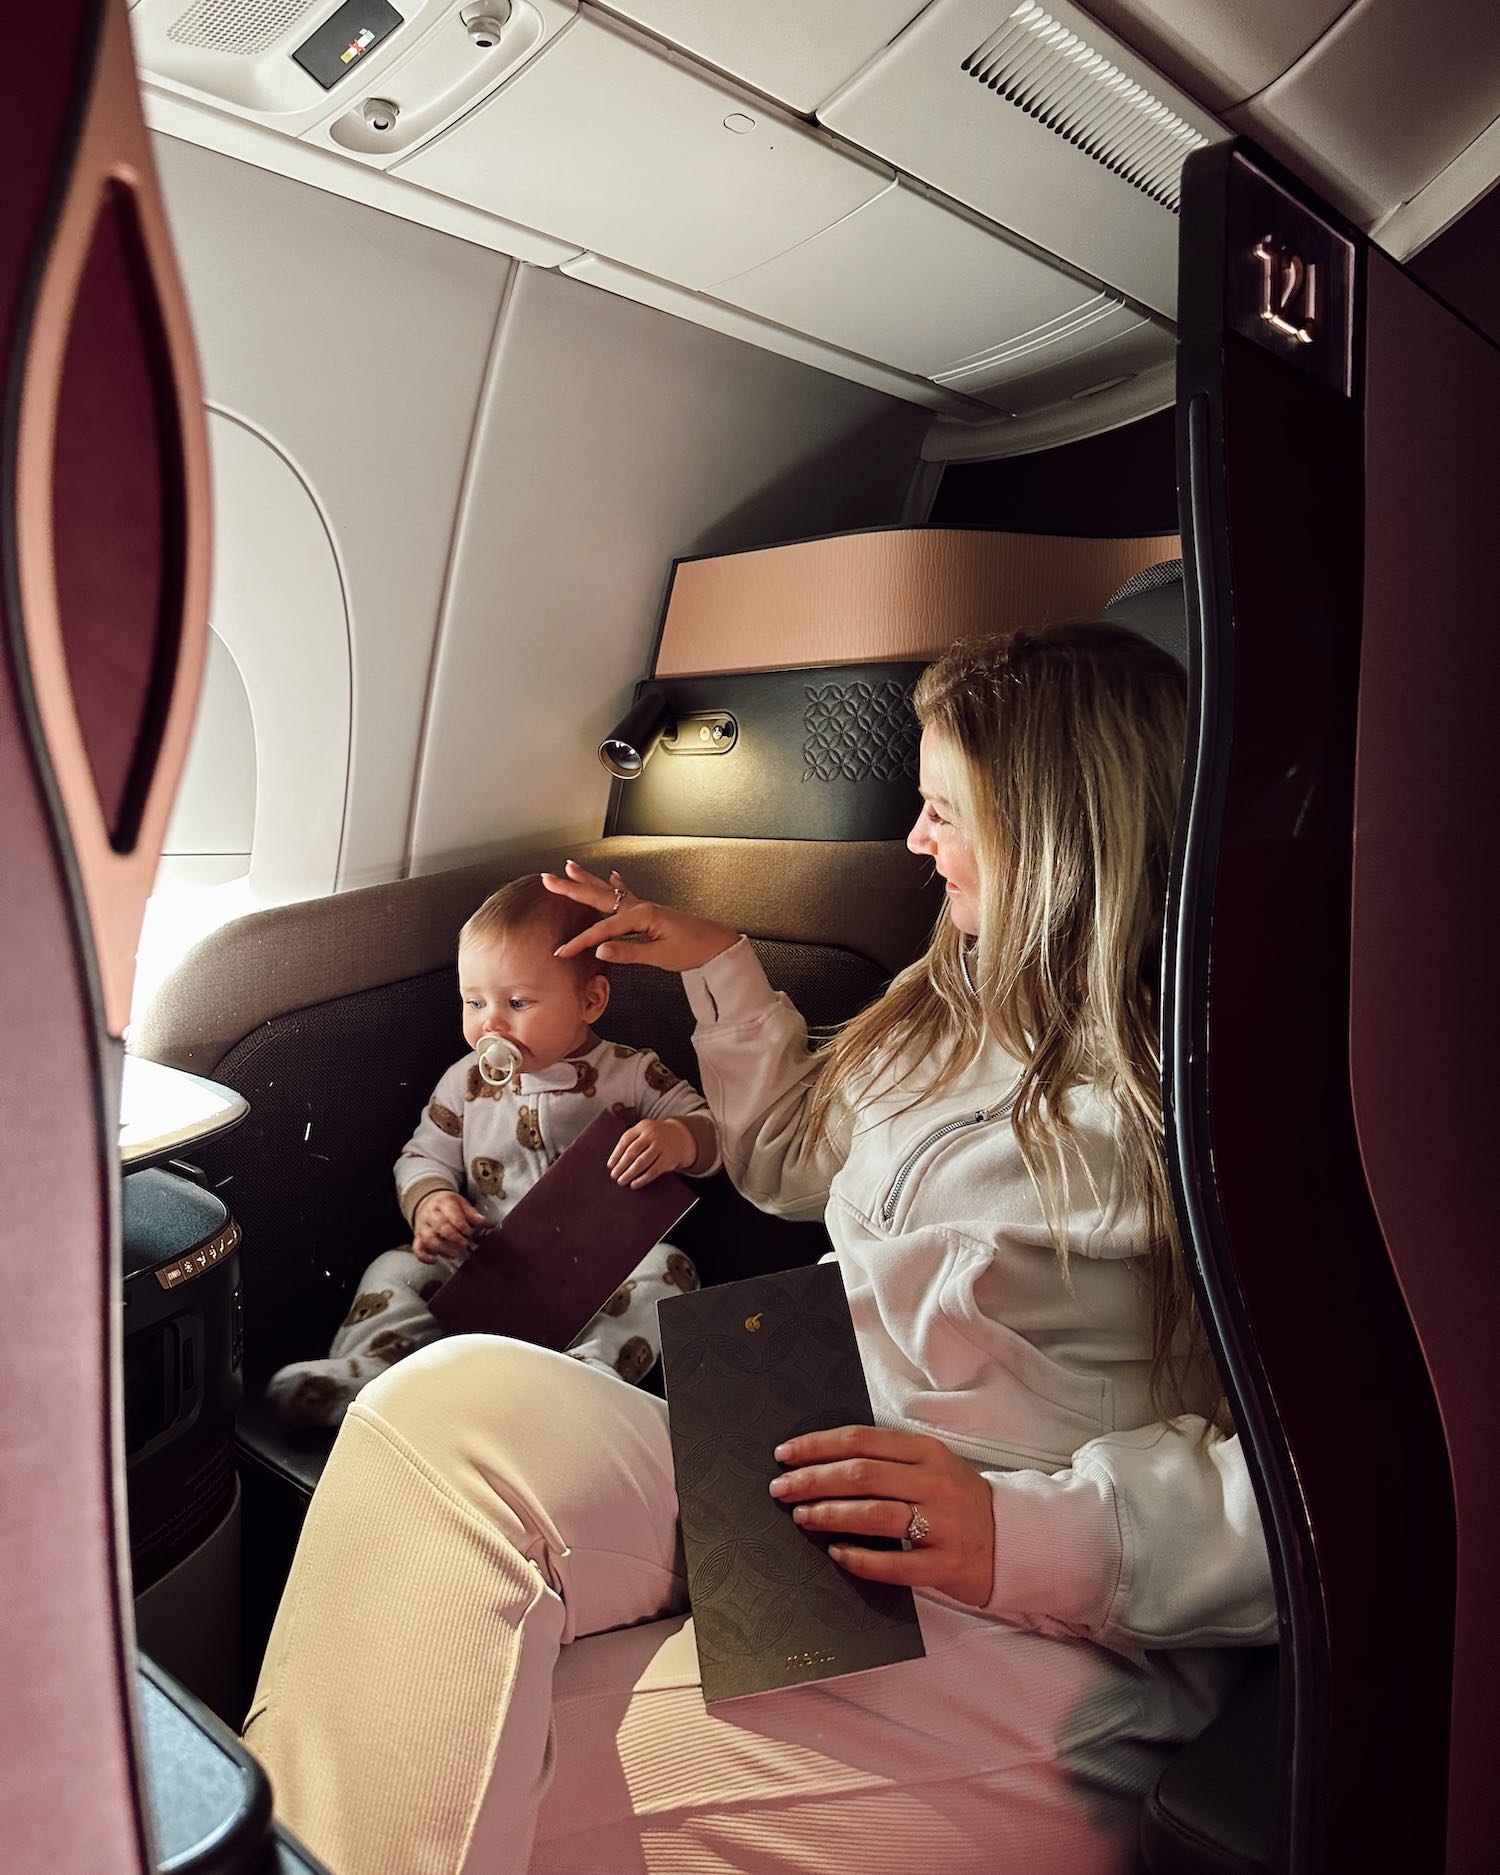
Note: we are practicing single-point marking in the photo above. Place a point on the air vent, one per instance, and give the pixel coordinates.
(245, 27)
(1035, 63)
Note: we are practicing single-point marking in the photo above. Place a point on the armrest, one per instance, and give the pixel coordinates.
(209, 1801)
(272, 963)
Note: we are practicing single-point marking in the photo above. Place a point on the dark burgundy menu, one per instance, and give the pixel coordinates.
(562, 1250)
(748, 1365)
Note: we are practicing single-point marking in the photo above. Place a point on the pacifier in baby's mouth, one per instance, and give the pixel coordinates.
(499, 1060)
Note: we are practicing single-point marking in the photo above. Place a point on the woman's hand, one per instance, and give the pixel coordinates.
(652, 1147)
(865, 1481)
(634, 931)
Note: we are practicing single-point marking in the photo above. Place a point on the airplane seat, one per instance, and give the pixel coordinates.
(1153, 604)
(334, 1018)
(1215, 1809)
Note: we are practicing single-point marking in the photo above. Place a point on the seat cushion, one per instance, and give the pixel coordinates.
(335, 1090)
(1216, 1809)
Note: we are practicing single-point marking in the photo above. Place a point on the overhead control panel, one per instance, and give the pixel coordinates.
(370, 78)
(330, 54)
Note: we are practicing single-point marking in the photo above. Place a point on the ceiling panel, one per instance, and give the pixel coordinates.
(1384, 101)
(606, 140)
(1217, 52)
(794, 51)
(908, 281)
(1042, 122)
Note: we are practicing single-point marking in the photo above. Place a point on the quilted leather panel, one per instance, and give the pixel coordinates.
(858, 731)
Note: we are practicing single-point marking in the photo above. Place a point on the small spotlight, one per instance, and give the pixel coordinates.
(628, 747)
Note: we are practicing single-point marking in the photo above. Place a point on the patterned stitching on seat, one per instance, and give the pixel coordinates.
(1149, 579)
(859, 731)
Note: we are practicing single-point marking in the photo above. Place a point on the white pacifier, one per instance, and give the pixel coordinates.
(499, 1060)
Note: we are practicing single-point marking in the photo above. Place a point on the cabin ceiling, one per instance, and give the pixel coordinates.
(970, 204)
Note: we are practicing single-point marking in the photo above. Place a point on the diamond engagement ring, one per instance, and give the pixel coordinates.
(619, 897)
(917, 1528)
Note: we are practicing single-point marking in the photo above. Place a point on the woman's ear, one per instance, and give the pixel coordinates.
(595, 998)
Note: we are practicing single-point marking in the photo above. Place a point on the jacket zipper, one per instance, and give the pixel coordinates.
(893, 1196)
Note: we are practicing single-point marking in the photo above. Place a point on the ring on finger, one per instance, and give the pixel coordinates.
(619, 899)
(918, 1527)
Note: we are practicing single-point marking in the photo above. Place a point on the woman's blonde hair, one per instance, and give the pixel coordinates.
(1064, 749)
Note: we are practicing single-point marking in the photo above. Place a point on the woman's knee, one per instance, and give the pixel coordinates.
(542, 1444)
(488, 1405)
(457, 1383)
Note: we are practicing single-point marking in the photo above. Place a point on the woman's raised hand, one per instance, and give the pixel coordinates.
(870, 1481)
(633, 930)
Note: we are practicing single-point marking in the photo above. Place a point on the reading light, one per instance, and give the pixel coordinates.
(485, 23)
(632, 742)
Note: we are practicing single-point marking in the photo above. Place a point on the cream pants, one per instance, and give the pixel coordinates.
(428, 1703)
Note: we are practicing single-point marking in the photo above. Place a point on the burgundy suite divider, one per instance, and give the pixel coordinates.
(1425, 1010)
(1325, 1367)
(103, 608)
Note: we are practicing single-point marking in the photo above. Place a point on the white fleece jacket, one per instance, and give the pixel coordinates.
(1107, 1525)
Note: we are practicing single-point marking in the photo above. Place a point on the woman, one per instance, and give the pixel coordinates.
(986, 1141)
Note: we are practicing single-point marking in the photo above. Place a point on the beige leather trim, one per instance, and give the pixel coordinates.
(869, 896)
(889, 594)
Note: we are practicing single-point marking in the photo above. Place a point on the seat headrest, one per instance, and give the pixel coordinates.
(1154, 603)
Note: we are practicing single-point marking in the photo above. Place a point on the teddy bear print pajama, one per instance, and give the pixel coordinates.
(493, 1144)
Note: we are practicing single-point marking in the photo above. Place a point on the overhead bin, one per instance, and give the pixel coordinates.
(909, 281)
(1043, 122)
(646, 290)
(1105, 346)
(786, 48)
(607, 140)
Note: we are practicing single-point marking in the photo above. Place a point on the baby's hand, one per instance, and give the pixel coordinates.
(444, 1224)
(650, 1148)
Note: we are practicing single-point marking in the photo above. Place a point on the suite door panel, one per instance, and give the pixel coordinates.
(1326, 1375)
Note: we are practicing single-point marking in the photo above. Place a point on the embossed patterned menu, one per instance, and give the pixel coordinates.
(747, 1365)
(560, 1250)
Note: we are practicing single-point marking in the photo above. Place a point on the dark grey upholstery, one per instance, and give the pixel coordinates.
(1152, 604)
(335, 1090)
(1216, 1806)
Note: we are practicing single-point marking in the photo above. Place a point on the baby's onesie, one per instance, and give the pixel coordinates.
(493, 1144)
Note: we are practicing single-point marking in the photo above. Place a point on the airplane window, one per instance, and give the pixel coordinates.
(203, 879)
(259, 814)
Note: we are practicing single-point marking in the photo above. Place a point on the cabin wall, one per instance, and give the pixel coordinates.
(352, 345)
(503, 462)
(612, 438)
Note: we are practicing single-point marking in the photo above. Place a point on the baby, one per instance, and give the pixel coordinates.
(489, 1133)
